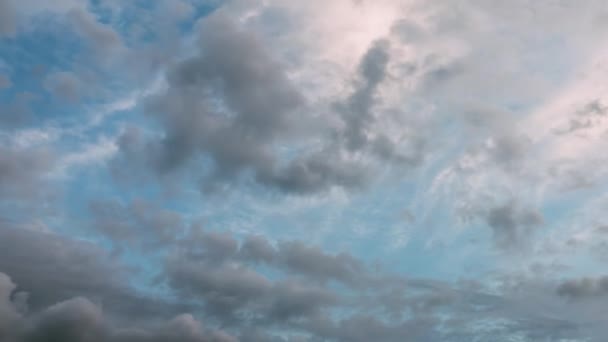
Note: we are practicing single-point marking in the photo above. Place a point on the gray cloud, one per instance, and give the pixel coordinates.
(8, 24)
(241, 297)
(256, 249)
(314, 263)
(584, 288)
(368, 328)
(509, 151)
(79, 320)
(235, 293)
(231, 101)
(139, 224)
(55, 269)
(22, 171)
(357, 111)
(592, 114)
(5, 82)
(226, 289)
(336, 163)
(238, 109)
(64, 85)
(182, 328)
(294, 257)
(233, 106)
(212, 246)
(102, 38)
(17, 111)
(9, 314)
(510, 223)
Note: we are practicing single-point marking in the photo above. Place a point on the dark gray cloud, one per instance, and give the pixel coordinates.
(52, 269)
(594, 108)
(339, 162)
(55, 268)
(357, 112)
(232, 104)
(511, 223)
(80, 320)
(231, 101)
(592, 114)
(73, 320)
(584, 288)
(281, 291)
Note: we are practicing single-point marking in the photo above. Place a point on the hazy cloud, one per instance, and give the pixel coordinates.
(64, 85)
(8, 24)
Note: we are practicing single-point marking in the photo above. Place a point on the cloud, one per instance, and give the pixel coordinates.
(139, 224)
(76, 268)
(591, 115)
(5, 82)
(366, 328)
(8, 25)
(55, 269)
(584, 288)
(102, 38)
(350, 154)
(23, 171)
(292, 297)
(209, 267)
(17, 111)
(64, 85)
(314, 263)
(251, 103)
(80, 320)
(241, 110)
(257, 249)
(510, 223)
(9, 314)
(480, 110)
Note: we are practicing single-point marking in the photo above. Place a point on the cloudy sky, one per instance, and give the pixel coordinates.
(303, 170)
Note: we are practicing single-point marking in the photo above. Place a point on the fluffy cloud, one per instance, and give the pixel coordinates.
(103, 39)
(243, 110)
(487, 120)
(80, 320)
(300, 296)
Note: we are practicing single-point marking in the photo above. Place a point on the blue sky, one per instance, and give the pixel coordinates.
(396, 170)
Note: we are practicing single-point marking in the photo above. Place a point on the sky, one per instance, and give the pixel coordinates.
(303, 170)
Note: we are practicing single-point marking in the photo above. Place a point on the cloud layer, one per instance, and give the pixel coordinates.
(244, 170)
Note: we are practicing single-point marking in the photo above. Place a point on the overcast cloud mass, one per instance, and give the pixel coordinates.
(303, 170)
